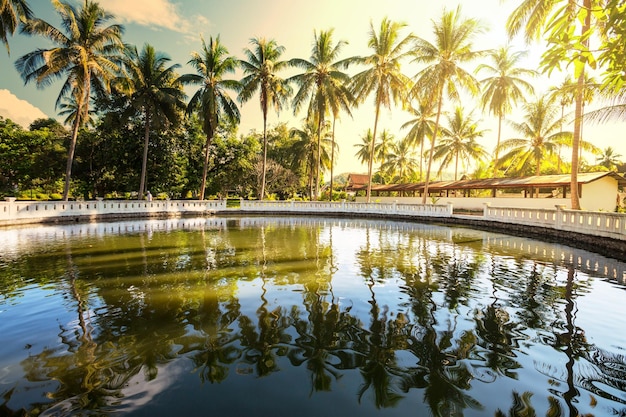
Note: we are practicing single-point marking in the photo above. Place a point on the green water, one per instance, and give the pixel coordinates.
(305, 317)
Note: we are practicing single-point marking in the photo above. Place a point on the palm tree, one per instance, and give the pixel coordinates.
(401, 164)
(540, 136)
(609, 159)
(322, 85)
(211, 100)
(305, 149)
(261, 73)
(561, 18)
(382, 148)
(564, 93)
(12, 12)
(365, 150)
(152, 89)
(85, 54)
(504, 87)
(459, 141)
(452, 48)
(422, 125)
(383, 77)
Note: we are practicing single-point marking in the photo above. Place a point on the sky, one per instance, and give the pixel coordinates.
(175, 28)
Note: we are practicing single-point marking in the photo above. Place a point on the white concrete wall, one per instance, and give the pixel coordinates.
(599, 195)
(477, 203)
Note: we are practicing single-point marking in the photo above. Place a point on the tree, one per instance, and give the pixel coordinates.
(504, 87)
(211, 100)
(382, 148)
(365, 148)
(452, 47)
(401, 164)
(459, 141)
(564, 93)
(261, 73)
(12, 12)
(561, 20)
(422, 125)
(322, 85)
(540, 136)
(152, 89)
(609, 159)
(305, 149)
(85, 54)
(383, 77)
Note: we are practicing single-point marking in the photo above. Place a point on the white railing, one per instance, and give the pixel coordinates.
(349, 208)
(38, 211)
(595, 223)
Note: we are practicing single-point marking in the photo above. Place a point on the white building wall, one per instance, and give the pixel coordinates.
(599, 195)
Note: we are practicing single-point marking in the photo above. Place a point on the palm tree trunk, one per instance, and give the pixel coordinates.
(319, 156)
(332, 161)
(144, 161)
(83, 101)
(432, 144)
(262, 196)
(456, 165)
(371, 154)
(495, 158)
(575, 199)
(205, 170)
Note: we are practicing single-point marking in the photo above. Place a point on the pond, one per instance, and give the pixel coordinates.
(283, 316)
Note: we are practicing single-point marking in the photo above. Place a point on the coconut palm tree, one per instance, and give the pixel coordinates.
(609, 159)
(85, 53)
(383, 77)
(540, 137)
(562, 18)
(306, 152)
(564, 94)
(383, 147)
(401, 163)
(152, 89)
(260, 69)
(322, 85)
(12, 12)
(211, 100)
(421, 126)
(452, 48)
(504, 87)
(364, 149)
(459, 141)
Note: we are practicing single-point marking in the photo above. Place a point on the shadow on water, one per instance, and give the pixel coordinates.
(305, 315)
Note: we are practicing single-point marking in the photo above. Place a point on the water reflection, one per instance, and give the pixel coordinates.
(314, 316)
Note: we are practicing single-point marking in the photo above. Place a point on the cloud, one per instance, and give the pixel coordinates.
(19, 111)
(161, 13)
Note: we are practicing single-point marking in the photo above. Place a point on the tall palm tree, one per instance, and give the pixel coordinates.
(85, 53)
(211, 100)
(323, 85)
(12, 12)
(260, 70)
(540, 136)
(564, 93)
(383, 77)
(452, 48)
(421, 126)
(561, 18)
(504, 87)
(152, 89)
(459, 141)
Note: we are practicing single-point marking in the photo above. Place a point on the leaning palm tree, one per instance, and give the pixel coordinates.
(152, 88)
(383, 77)
(85, 53)
(504, 87)
(421, 126)
(452, 48)
(571, 29)
(541, 136)
(322, 85)
(260, 70)
(12, 12)
(211, 100)
(459, 142)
